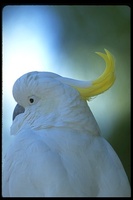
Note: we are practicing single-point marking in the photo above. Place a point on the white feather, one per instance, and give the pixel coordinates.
(57, 150)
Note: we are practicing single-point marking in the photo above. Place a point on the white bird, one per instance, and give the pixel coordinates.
(57, 150)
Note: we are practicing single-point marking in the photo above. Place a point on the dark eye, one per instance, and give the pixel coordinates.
(31, 100)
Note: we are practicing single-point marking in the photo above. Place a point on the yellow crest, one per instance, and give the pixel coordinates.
(104, 82)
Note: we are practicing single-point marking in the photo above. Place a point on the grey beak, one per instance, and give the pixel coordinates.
(18, 110)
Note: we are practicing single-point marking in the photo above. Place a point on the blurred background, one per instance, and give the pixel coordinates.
(63, 40)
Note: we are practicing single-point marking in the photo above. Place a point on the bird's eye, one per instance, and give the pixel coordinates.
(33, 99)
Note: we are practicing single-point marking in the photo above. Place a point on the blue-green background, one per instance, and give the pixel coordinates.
(63, 39)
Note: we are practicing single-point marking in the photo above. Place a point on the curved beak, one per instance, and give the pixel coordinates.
(17, 110)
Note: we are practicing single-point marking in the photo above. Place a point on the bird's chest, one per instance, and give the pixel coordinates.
(37, 165)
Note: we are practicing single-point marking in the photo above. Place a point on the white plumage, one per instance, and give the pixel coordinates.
(57, 149)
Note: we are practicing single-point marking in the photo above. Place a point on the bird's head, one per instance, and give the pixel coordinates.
(45, 92)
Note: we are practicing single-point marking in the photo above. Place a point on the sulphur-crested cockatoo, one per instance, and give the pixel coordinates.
(57, 149)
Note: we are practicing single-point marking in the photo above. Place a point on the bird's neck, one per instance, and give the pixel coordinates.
(75, 115)
(78, 116)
